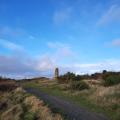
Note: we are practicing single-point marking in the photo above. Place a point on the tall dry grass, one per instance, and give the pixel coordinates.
(43, 112)
(20, 105)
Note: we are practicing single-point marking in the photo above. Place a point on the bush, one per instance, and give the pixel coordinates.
(29, 116)
(69, 76)
(110, 80)
(79, 85)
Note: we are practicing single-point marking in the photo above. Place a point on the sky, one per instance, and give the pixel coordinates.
(80, 36)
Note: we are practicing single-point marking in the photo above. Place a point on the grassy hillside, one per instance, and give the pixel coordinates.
(97, 98)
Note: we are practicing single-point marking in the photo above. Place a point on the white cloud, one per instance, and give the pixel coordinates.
(12, 64)
(44, 63)
(10, 45)
(18, 64)
(61, 49)
(23, 66)
(111, 15)
(31, 37)
(115, 43)
(15, 32)
(89, 68)
(54, 44)
(62, 16)
(9, 31)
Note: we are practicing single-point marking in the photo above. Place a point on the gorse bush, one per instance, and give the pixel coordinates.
(111, 79)
(78, 85)
(30, 116)
(66, 78)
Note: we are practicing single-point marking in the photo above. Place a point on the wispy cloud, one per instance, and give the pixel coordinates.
(62, 16)
(12, 64)
(9, 31)
(89, 68)
(44, 63)
(22, 66)
(15, 32)
(114, 43)
(31, 37)
(25, 66)
(61, 49)
(10, 45)
(111, 15)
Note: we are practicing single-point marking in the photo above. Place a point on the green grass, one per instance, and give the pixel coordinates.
(80, 100)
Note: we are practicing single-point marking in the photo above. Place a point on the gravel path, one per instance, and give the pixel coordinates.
(73, 112)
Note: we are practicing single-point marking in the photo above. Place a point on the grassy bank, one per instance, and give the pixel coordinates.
(19, 105)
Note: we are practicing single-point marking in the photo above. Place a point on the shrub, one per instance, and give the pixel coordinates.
(66, 78)
(79, 85)
(110, 80)
(29, 116)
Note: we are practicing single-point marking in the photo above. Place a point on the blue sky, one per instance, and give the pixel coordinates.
(81, 36)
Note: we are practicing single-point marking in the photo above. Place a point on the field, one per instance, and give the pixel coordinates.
(97, 98)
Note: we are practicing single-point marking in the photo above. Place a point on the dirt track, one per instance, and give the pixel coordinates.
(73, 112)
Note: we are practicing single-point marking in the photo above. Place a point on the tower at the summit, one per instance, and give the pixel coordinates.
(56, 73)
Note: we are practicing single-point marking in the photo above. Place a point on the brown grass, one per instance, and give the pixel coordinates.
(7, 85)
(17, 99)
(106, 96)
(44, 113)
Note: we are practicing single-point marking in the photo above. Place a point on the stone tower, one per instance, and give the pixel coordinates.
(56, 73)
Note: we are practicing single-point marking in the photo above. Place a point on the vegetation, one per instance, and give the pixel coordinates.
(79, 85)
(98, 98)
(99, 92)
(108, 78)
(68, 77)
(75, 81)
(111, 78)
(16, 104)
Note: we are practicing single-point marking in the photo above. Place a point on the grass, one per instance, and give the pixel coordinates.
(26, 114)
(24, 106)
(85, 98)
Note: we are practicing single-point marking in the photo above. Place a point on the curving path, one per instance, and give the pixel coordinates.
(73, 112)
